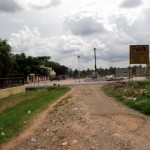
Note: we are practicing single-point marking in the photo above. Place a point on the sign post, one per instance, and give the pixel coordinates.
(139, 54)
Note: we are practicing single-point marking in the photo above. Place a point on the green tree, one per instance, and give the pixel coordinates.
(83, 73)
(76, 73)
(70, 72)
(62, 70)
(134, 68)
(6, 59)
(88, 72)
(20, 65)
(44, 59)
(112, 70)
(59, 69)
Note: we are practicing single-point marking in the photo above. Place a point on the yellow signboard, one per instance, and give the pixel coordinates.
(139, 54)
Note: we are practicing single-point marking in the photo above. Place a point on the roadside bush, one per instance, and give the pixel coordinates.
(134, 94)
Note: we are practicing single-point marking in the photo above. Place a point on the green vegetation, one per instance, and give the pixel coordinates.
(136, 95)
(11, 98)
(6, 59)
(16, 118)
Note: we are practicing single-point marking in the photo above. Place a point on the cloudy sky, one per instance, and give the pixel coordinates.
(66, 29)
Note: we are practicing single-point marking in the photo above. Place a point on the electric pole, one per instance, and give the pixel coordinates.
(95, 59)
(79, 66)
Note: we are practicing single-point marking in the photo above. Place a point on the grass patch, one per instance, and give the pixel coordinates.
(14, 119)
(60, 136)
(13, 100)
(135, 95)
(12, 97)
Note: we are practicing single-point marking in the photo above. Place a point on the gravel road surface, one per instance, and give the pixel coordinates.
(85, 119)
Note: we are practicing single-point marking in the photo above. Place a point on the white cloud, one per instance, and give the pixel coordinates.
(112, 44)
(55, 2)
(83, 23)
(131, 3)
(9, 6)
(45, 4)
(17, 20)
(140, 29)
(29, 42)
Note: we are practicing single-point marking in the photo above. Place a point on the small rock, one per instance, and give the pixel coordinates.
(29, 111)
(64, 144)
(92, 148)
(48, 130)
(3, 133)
(46, 134)
(55, 130)
(33, 140)
(74, 141)
(24, 122)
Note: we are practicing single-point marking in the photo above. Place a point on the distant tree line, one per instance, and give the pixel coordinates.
(88, 72)
(111, 71)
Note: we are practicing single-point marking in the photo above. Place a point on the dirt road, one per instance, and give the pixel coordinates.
(86, 119)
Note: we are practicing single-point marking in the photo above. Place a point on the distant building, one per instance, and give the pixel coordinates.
(51, 71)
(32, 77)
(122, 72)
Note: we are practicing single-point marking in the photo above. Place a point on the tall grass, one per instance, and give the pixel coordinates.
(135, 95)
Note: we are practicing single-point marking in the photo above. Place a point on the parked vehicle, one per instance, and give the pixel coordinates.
(114, 78)
(60, 77)
(55, 78)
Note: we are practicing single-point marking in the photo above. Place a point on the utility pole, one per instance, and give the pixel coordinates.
(95, 59)
(79, 66)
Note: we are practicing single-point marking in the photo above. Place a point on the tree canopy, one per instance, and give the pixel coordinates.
(6, 59)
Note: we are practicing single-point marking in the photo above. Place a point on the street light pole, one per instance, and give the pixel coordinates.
(95, 59)
(79, 66)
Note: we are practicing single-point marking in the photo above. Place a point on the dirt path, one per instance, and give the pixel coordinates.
(86, 119)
